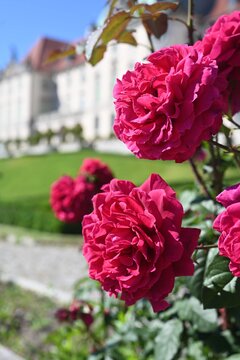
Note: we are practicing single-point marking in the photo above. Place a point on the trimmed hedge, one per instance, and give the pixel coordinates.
(34, 213)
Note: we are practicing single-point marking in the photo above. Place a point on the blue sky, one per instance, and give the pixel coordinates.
(23, 22)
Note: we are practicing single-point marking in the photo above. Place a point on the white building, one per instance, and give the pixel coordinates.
(85, 92)
(40, 96)
(26, 91)
(35, 97)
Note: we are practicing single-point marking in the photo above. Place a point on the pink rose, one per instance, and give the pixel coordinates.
(228, 224)
(81, 310)
(134, 243)
(222, 43)
(71, 198)
(95, 168)
(165, 108)
(230, 195)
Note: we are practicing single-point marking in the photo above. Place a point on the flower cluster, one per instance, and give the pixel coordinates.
(166, 107)
(222, 43)
(78, 310)
(134, 242)
(228, 224)
(97, 170)
(71, 198)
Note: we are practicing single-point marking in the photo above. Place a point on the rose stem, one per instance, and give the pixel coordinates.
(226, 148)
(217, 173)
(205, 247)
(150, 42)
(233, 122)
(200, 179)
(190, 22)
(105, 323)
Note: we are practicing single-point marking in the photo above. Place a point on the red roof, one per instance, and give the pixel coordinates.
(44, 48)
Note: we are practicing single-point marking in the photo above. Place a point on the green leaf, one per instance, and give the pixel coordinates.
(168, 340)
(186, 199)
(97, 54)
(158, 26)
(127, 38)
(153, 9)
(114, 26)
(196, 281)
(60, 54)
(234, 357)
(202, 320)
(196, 351)
(92, 42)
(220, 288)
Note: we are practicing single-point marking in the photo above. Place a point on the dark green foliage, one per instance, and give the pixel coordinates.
(34, 213)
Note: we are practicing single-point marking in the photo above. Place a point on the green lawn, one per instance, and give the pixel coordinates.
(33, 176)
(25, 184)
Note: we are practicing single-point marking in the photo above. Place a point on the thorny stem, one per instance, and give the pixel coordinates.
(206, 247)
(178, 19)
(229, 118)
(200, 179)
(224, 147)
(190, 22)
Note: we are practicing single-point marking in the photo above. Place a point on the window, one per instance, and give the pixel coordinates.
(96, 124)
(112, 119)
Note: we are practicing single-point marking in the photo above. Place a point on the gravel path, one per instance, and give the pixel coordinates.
(7, 354)
(49, 270)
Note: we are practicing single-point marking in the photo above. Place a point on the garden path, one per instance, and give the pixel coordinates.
(7, 354)
(46, 269)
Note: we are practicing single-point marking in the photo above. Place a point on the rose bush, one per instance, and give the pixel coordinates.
(228, 223)
(134, 243)
(222, 43)
(166, 107)
(70, 198)
(101, 173)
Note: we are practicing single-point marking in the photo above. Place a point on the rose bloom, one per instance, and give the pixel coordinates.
(100, 171)
(228, 224)
(222, 43)
(165, 108)
(70, 198)
(77, 310)
(134, 243)
(62, 314)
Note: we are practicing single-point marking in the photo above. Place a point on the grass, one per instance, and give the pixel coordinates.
(25, 320)
(25, 184)
(33, 176)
